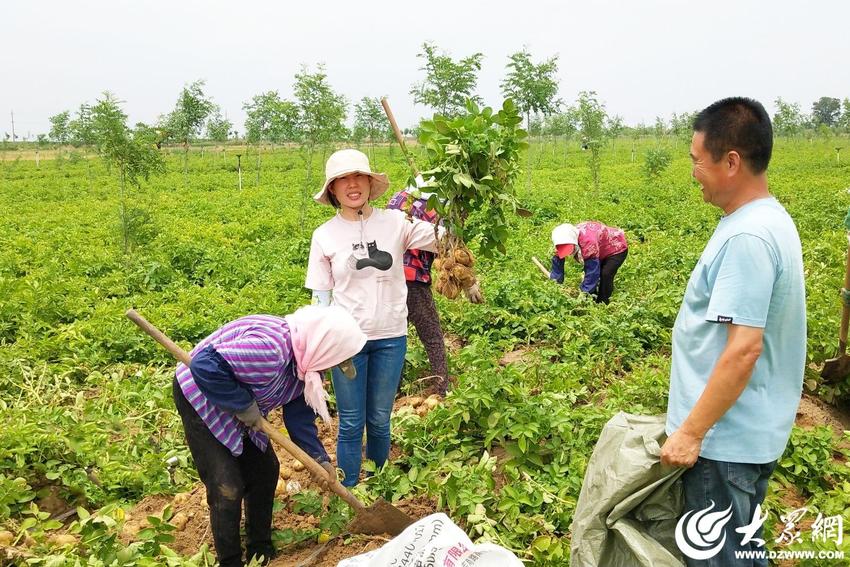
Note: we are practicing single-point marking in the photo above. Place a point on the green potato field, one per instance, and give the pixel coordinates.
(91, 444)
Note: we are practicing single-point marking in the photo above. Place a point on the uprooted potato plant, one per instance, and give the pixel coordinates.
(473, 162)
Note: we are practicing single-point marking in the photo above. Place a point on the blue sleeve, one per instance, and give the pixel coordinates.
(741, 279)
(592, 272)
(557, 271)
(215, 378)
(300, 422)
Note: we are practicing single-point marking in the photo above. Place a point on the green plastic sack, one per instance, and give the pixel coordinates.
(629, 503)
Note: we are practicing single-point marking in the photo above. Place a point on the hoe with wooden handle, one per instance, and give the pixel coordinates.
(379, 518)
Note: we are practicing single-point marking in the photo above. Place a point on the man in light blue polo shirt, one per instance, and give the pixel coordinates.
(739, 341)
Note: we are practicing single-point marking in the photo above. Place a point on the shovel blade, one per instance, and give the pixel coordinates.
(380, 518)
(836, 369)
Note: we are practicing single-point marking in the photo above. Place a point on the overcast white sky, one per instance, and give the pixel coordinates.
(644, 58)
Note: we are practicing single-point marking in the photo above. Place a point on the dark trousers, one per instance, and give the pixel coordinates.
(252, 477)
(422, 312)
(721, 485)
(608, 269)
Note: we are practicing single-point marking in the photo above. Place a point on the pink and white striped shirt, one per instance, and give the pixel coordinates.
(258, 349)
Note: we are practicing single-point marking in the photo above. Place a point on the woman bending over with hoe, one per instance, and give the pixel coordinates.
(358, 256)
(239, 373)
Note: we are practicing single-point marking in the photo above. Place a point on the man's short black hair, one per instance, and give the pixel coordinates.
(740, 124)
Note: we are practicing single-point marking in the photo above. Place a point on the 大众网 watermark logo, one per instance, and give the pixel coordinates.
(701, 534)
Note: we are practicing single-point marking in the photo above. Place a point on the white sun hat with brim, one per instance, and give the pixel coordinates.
(564, 234)
(346, 162)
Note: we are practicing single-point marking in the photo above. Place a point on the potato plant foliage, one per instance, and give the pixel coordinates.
(473, 161)
(86, 398)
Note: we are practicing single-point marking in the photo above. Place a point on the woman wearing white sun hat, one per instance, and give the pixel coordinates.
(356, 263)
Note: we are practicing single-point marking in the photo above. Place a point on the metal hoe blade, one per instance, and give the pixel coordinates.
(380, 518)
(835, 369)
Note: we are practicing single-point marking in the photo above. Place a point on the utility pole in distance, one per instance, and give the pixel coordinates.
(13, 127)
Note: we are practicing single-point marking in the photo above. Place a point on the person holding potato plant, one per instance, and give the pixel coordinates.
(238, 374)
(600, 249)
(356, 262)
(421, 310)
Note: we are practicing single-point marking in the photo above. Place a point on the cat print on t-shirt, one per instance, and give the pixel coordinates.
(369, 257)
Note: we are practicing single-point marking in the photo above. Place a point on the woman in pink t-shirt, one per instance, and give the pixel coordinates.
(356, 262)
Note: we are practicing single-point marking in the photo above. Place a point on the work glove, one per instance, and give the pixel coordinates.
(331, 478)
(473, 293)
(250, 416)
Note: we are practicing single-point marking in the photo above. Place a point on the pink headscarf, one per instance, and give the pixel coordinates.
(322, 337)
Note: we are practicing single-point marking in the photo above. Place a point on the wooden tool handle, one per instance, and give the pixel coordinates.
(284, 441)
(845, 310)
(540, 265)
(159, 337)
(315, 468)
(398, 135)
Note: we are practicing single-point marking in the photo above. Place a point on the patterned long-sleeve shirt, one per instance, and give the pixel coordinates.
(417, 263)
(258, 349)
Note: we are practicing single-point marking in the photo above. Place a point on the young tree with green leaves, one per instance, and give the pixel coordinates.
(788, 119)
(681, 125)
(614, 126)
(186, 121)
(655, 161)
(591, 119)
(844, 121)
(370, 122)
(660, 127)
(532, 87)
(132, 153)
(82, 133)
(218, 128)
(448, 84)
(321, 117)
(535, 125)
(826, 110)
(561, 125)
(155, 134)
(60, 129)
(270, 118)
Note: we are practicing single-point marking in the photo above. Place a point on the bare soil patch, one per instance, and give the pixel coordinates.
(814, 411)
(518, 355)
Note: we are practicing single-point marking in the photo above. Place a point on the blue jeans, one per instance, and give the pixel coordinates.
(366, 402)
(740, 485)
